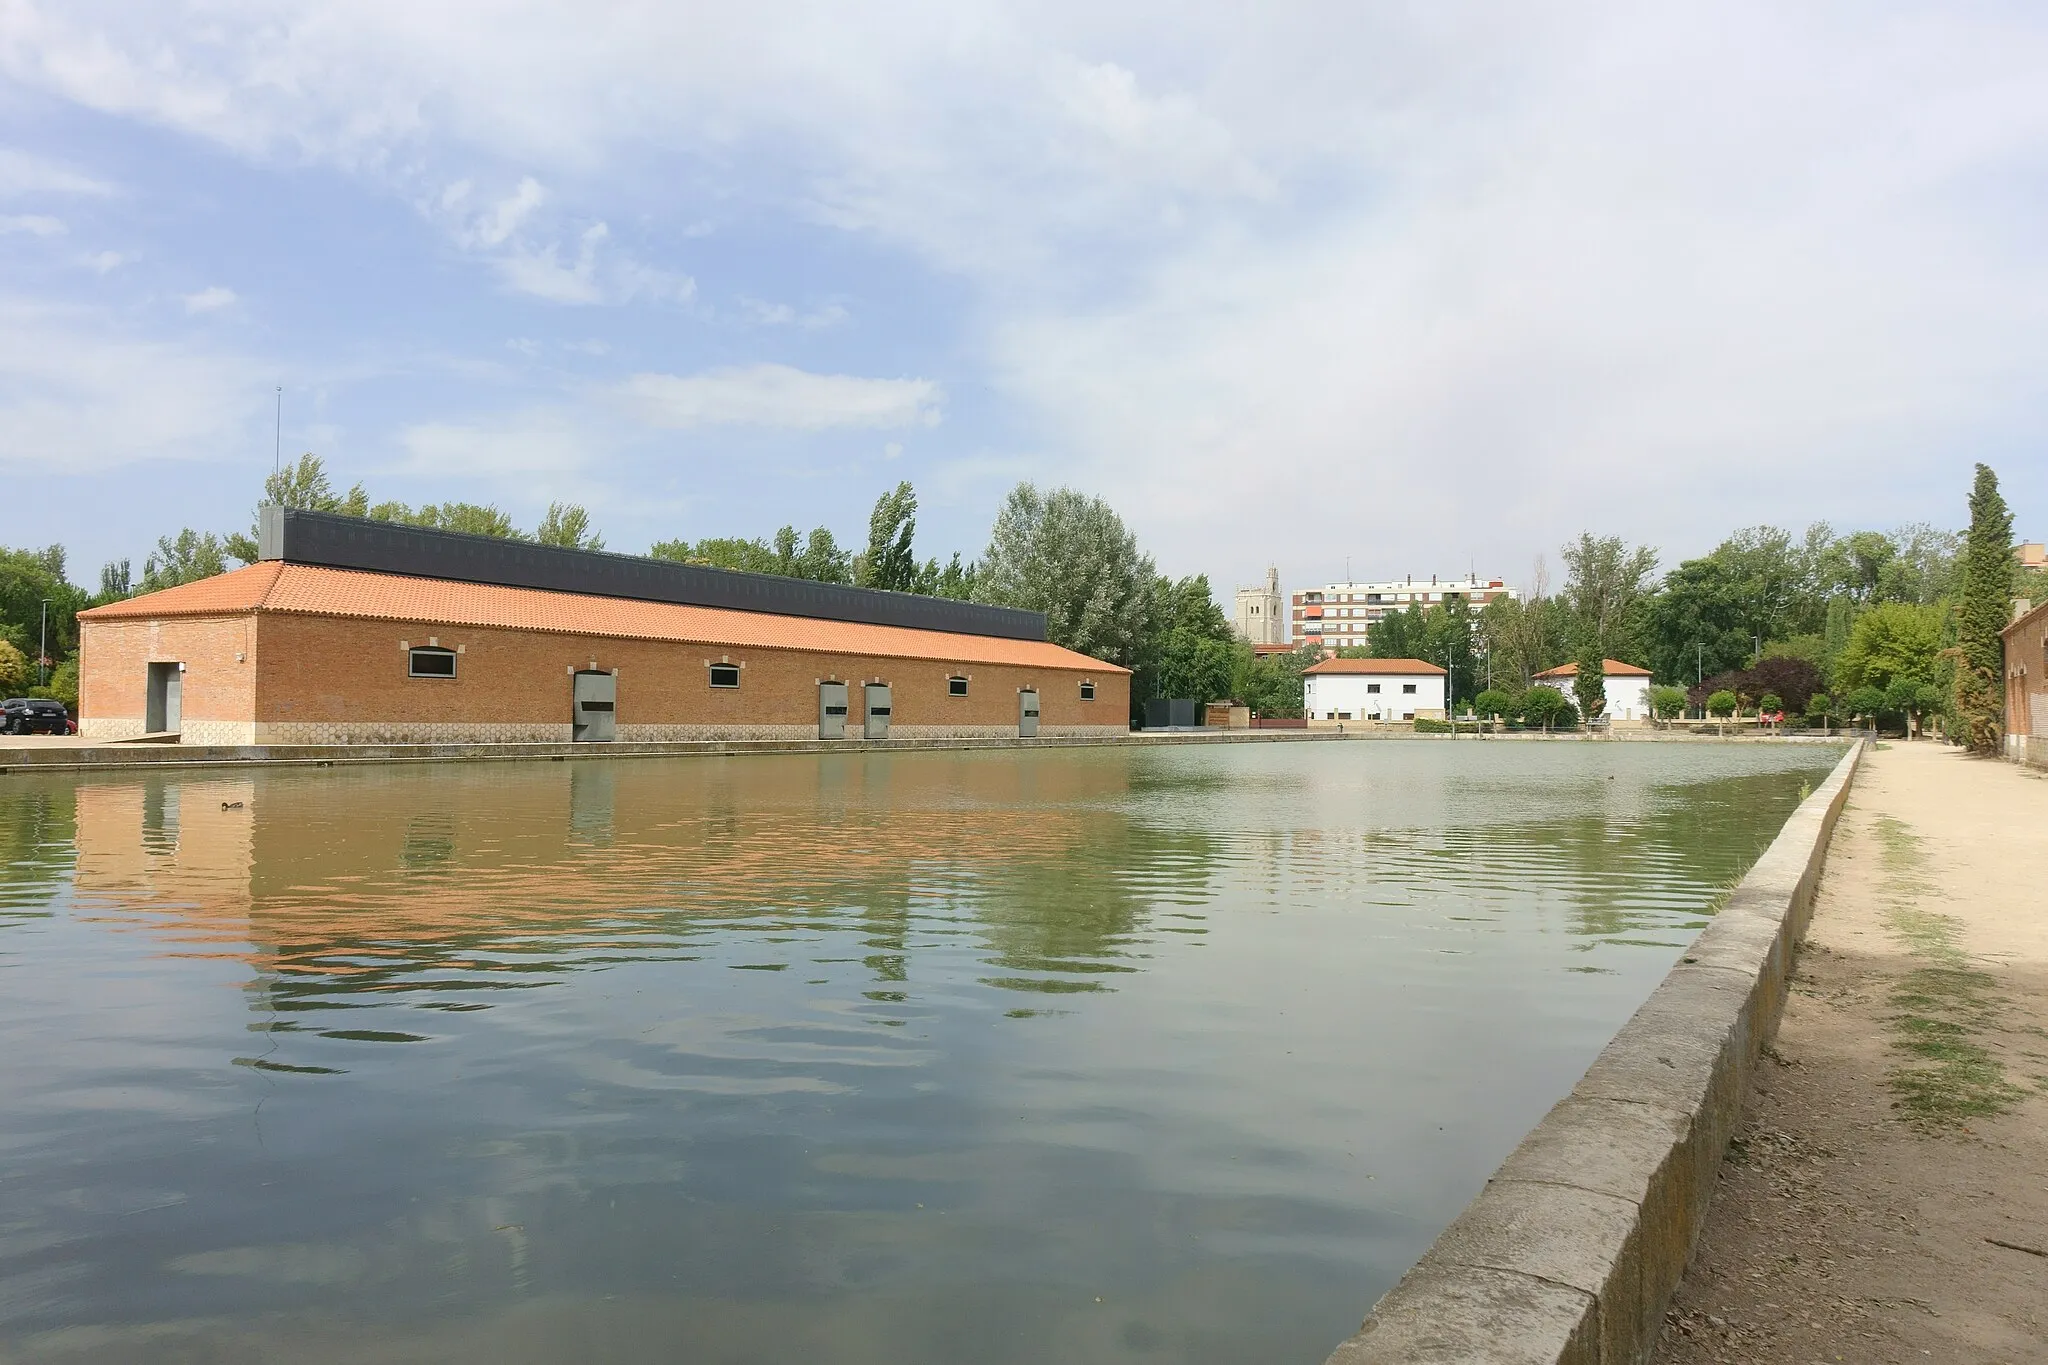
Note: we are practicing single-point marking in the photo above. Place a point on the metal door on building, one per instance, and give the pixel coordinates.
(596, 710)
(1027, 714)
(876, 724)
(165, 705)
(832, 710)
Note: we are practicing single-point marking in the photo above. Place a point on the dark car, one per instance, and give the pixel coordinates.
(34, 716)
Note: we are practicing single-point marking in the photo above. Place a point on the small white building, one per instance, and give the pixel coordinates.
(1627, 691)
(1372, 689)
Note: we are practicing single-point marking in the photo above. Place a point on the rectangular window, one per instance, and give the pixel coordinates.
(1372, 687)
(430, 662)
(1087, 691)
(956, 687)
(1407, 687)
(725, 675)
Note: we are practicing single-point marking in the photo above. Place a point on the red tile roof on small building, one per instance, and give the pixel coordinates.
(315, 590)
(1615, 669)
(1375, 667)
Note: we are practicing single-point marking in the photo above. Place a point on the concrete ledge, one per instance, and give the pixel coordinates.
(76, 757)
(1574, 1247)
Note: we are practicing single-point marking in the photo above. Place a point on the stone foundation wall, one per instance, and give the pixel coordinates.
(398, 732)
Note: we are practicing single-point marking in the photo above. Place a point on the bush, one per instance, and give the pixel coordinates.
(1770, 701)
(1494, 702)
(15, 671)
(1425, 726)
(1667, 703)
(1721, 703)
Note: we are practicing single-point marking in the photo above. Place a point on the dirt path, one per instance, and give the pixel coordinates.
(1887, 1196)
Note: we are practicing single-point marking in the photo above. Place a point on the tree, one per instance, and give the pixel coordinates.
(1911, 699)
(1721, 704)
(889, 561)
(1589, 685)
(1890, 642)
(189, 556)
(15, 672)
(1606, 590)
(1495, 704)
(1071, 557)
(1545, 706)
(1985, 608)
(1866, 701)
(302, 484)
(116, 583)
(64, 683)
(27, 577)
(1667, 703)
(468, 518)
(1271, 684)
(1820, 706)
(1192, 651)
(568, 525)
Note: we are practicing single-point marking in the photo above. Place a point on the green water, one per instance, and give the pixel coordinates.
(1158, 1055)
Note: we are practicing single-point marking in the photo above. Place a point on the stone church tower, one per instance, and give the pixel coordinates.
(1261, 614)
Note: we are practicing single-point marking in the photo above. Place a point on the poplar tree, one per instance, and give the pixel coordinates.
(1590, 686)
(1986, 604)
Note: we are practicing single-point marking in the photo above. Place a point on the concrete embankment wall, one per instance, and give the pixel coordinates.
(66, 758)
(1574, 1247)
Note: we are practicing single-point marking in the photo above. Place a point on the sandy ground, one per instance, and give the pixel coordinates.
(1887, 1196)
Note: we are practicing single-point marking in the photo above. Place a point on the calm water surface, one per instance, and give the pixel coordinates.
(1076, 1056)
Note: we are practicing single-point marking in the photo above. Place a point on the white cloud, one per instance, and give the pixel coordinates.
(107, 262)
(893, 450)
(784, 315)
(539, 442)
(532, 261)
(77, 392)
(778, 396)
(22, 174)
(210, 300)
(33, 224)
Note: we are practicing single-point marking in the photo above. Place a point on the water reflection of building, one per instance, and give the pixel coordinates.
(333, 880)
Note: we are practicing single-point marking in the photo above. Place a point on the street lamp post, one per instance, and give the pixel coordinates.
(43, 649)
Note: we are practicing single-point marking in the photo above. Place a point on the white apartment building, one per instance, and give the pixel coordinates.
(1338, 614)
(1372, 689)
(1261, 617)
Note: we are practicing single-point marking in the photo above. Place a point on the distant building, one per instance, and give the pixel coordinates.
(1261, 614)
(1338, 614)
(1627, 690)
(2031, 555)
(1372, 689)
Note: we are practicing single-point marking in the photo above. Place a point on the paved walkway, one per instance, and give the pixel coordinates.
(1887, 1196)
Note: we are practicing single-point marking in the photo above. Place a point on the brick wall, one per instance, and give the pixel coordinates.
(219, 694)
(339, 680)
(2026, 689)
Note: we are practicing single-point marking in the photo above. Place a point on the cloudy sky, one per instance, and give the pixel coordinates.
(1425, 285)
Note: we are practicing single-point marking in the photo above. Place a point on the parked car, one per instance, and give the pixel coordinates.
(34, 716)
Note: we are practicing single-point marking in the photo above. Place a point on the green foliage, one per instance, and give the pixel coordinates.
(15, 669)
(568, 525)
(1607, 591)
(1445, 634)
(1425, 726)
(1523, 638)
(302, 484)
(1545, 706)
(1589, 685)
(1721, 704)
(1271, 683)
(116, 582)
(1985, 608)
(1071, 557)
(26, 578)
(1820, 706)
(817, 558)
(184, 558)
(889, 561)
(1866, 701)
(468, 518)
(1891, 641)
(1770, 702)
(956, 580)
(1667, 703)
(1495, 704)
(1192, 652)
(64, 683)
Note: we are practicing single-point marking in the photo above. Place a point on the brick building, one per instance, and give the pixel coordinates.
(326, 640)
(2026, 685)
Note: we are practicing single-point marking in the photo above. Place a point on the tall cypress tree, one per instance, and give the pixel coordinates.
(1590, 686)
(1986, 605)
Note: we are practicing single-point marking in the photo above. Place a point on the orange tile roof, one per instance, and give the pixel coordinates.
(1374, 666)
(315, 590)
(1615, 669)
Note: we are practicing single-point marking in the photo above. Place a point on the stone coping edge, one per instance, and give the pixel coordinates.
(1570, 1253)
(153, 756)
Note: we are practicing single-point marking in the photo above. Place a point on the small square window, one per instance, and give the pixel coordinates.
(725, 675)
(431, 662)
(1087, 691)
(1407, 687)
(1372, 687)
(956, 687)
